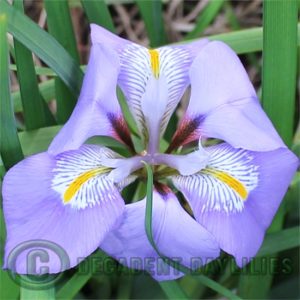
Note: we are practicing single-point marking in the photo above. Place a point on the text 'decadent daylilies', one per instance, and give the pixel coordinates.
(70, 195)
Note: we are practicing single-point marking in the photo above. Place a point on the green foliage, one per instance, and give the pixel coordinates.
(98, 13)
(151, 12)
(278, 98)
(10, 148)
(205, 18)
(58, 17)
(36, 112)
(44, 46)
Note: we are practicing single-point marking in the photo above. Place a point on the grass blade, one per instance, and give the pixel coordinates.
(98, 13)
(38, 140)
(217, 287)
(127, 114)
(28, 294)
(46, 89)
(205, 18)
(242, 41)
(280, 241)
(8, 288)
(278, 97)
(10, 150)
(172, 290)
(151, 12)
(280, 64)
(73, 286)
(36, 112)
(83, 274)
(58, 17)
(44, 46)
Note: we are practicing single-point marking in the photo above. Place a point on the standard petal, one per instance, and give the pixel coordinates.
(153, 81)
(224, 104)
(98, 111)
(176, 234)
(100, 35)
(237, 195)
(65, 200)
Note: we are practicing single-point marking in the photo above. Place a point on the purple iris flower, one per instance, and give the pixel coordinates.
(70, 195)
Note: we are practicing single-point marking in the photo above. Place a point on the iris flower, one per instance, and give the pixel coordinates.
(70, 195)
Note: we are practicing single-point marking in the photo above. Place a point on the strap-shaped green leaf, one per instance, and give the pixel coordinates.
(151, 12)
(44, 46)
(10, 148)
(205, 18)
(32, 294)
(278, 97)
(280, 241)
(98, 13)
(46, 89)
(9, 289)
(58, 17)
(280, 64)
(38, 140)
(36, 111)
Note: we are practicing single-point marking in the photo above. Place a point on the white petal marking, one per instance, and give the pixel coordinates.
(225, 183)
(81, 179)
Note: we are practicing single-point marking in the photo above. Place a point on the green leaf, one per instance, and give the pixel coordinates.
(278, 98)
(151, 12)
(65, 101)
(36, 112)
(205, 18)
(10, 148)
(38, 140)
(60, 25)
(83, 274)
(42, 70)
(38, 70)
(242, 41)
(70, 289)
(8, 288)
(58, 17)
(280, 241)
(235, 25)
(127, 114)
(280, 64)
(44, 46)
(173, 290)
(124, 286)
(217, 287)
(28, 294)
(46, 89)
(98, 13)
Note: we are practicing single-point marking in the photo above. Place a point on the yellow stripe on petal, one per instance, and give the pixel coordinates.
(232, 182)
(77, 183)
(154, 58)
